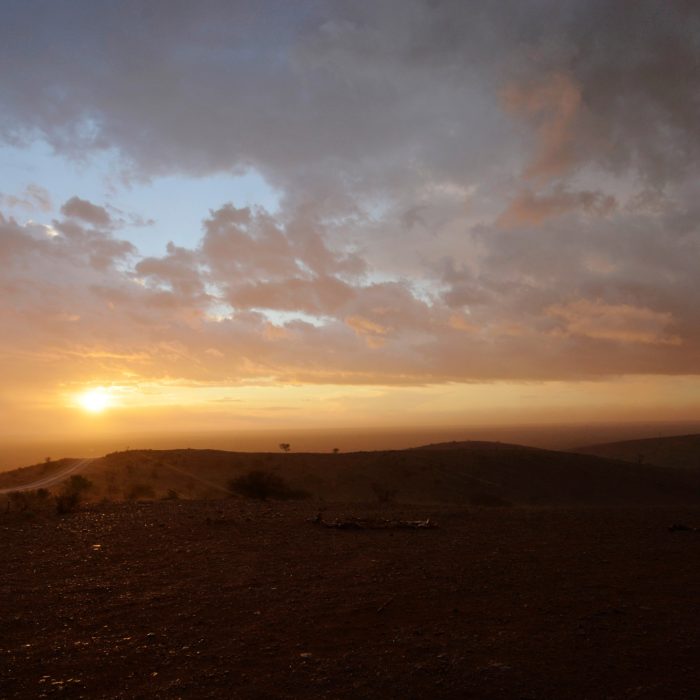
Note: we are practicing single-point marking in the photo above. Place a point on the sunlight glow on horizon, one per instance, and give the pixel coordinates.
(95, 400)
(183, 406)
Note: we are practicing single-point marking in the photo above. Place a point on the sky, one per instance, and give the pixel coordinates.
(238, 216)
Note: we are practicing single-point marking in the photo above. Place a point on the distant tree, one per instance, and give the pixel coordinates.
(335, 450)
(285, 446)
(47, 459)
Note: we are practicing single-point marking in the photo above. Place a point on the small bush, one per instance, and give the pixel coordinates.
(79, 484)
(72, 494)
(262, 485)
(67, 503)
(17, 501)
(25, 502)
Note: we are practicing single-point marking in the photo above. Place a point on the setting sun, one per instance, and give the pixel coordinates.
(95, 400)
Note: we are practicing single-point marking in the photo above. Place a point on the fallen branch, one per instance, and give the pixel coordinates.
(681, 527)
(374, 524)
(385, 603)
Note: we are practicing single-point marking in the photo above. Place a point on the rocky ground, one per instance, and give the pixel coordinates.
(240, 600)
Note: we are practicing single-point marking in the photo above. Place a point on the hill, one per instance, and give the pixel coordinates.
(470, 473)
(679, 452)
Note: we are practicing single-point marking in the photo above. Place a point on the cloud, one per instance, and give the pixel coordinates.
(616, 322)
(530, 209)
(176, 273)
(86, 211)
(553, 106)
(320, 295)
(34, 198)
(288, 89)
(372, 332)
(260, 262)
(253, 301)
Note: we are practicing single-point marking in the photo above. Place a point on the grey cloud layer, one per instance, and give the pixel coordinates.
(471, 190)
(365, 87)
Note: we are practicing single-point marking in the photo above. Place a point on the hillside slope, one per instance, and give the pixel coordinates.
(679, 452)
(475, 473)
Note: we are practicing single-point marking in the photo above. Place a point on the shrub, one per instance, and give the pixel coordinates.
(79, 483)
(72, 494)
(26, 502)
(18, 501)
(262, 485)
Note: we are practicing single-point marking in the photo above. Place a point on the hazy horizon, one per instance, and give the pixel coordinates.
(14, 454)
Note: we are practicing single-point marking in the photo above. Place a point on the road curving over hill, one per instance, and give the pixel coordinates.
(51, 480)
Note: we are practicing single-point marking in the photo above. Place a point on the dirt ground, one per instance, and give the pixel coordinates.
(239, 600)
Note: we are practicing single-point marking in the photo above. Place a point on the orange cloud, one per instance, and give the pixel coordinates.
(373, 333)
(553, 106)
(616, 322)
(460, 323)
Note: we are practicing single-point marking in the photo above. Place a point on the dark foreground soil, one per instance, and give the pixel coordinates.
(235, 600)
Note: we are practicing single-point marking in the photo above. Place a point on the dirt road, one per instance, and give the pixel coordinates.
(52, 479)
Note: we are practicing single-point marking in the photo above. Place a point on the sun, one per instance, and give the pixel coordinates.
(95, 400)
